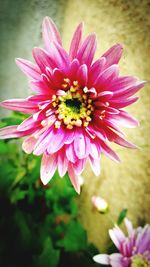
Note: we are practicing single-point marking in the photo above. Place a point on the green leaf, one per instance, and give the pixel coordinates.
(122, 216)
(17, 195)
(24, 230)
(75, 238)
(49, 256)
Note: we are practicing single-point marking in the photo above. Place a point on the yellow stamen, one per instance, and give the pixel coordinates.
(64, 85)
(85, 124)
(84, 96)
(69, 126)
(78, 123)
(54, 104)
(88, 112)
(54, 97)
(72, 89)
(57, 124)
(75, 83)
(43, 122)
(66, 80)
(49, 122)
(85, 89)
(88, 118)
(66, 121)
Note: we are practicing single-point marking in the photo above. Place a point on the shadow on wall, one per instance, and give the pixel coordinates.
(20, 24)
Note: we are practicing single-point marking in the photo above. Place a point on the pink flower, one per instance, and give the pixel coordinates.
(78, 104)
(134, 249)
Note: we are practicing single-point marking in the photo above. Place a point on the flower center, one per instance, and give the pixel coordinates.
(73, 106)
(140, 261)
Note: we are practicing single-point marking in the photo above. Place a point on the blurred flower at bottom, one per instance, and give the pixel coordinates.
(134, 250)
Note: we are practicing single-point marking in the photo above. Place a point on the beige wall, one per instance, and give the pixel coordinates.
(124, 185)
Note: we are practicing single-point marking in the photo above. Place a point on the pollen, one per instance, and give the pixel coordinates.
(57, 124)
(54, 104)
(75, 107)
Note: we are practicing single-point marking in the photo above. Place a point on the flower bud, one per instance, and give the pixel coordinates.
(100, 204)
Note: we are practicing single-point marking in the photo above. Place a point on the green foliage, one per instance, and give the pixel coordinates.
(49, 256)
(122, 216)
(74, 238)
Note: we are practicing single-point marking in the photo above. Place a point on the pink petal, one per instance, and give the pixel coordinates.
(29, 68)
(113, 55)
(102, 259)
(95, 165)
(22, 105)
(38, 98)
(70, 135)
(123, 82)
(74, 178)
(79, 166)
(129, 226)
(117, 260)
(113, 126)
(114, 238)
(48, 167)
(59, 56)
(42, 59)
(92, 91)
(109, 152)
(57, 140)
(123, 103)
(41, 87)
(129, 91)
(80, 145)
(70, 153)
(58, 77)
(98, 131)
(120, 141)
(62, 163)
(111, 110)
(94, 150)
(105, 96)
(126, 120)
(10, 132)
(28, 144)
(106, 77)
(95, 70)
(119, 234)
(74, 66)
(50, 33)
(82, 75)
(87, 50)
(76, 41)
(47, 80)
(43, 142)
(28, 124)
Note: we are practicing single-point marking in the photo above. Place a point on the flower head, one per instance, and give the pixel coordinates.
(134, 249)
(100, 204)
(77, 106)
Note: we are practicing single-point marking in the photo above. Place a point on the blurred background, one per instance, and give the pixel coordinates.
(37, 223)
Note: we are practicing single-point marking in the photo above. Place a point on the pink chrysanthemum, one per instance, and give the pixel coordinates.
(134, 249)
(78, 104)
